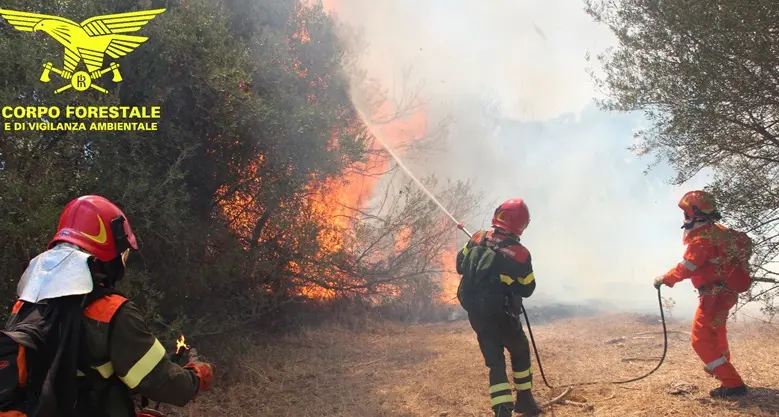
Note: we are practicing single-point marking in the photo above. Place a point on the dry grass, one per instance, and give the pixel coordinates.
(437, 370)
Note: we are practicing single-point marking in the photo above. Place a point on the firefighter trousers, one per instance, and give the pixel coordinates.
(710, 336)
(496, 333)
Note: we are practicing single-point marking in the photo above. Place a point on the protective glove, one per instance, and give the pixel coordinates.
(659, 282)
(204, 371)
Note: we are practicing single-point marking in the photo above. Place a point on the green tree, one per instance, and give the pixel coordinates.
(705, 74)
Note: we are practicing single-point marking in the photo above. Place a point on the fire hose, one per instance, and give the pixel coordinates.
(524, 312)
(662, 358)
(538, 356)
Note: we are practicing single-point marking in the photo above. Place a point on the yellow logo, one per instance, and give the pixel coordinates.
(101, 237)
(89, 41)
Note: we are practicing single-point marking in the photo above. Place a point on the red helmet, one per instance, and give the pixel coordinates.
(96, 225)
(699, 205)
(512, 216)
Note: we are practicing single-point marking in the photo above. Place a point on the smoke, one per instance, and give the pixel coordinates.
(511, 76)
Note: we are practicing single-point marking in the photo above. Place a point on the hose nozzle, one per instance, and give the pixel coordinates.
(462, 227)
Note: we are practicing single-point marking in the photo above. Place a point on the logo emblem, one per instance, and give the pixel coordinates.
(101, 237)
(90, 41)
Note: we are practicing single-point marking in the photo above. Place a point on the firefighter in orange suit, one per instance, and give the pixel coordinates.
(503, 330)
(716, 260)
(117, 354)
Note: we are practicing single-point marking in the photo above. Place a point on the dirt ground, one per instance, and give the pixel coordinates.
(437, 370)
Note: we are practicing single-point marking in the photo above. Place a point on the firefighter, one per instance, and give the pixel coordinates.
(512, 273)
(716, 260)
(117, 354)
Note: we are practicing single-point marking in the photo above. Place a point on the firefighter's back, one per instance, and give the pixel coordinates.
(120, 356)
(101, 392)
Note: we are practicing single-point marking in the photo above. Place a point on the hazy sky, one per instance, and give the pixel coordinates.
(601, 230)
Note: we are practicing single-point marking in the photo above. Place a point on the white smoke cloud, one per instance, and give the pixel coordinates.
(530, 54)
(601, 230)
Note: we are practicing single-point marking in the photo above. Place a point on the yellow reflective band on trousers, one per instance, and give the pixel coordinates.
(505, 386)
(105, 370)
(503, 399)
(523, 380)
(506, 279)
(144, 365)
(522, 374)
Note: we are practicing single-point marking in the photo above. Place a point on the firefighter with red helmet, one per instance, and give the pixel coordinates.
(716, 260)
(113, 353)
(497, 323)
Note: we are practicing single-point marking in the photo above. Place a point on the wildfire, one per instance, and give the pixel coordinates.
(331, 203)
(334, 201)
(337, 199)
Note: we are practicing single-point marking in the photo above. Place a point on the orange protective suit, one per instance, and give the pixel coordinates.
(709, 262)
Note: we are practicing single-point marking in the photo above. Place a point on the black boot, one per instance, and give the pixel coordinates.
(723, 392)
(503, 410)
(526, 404)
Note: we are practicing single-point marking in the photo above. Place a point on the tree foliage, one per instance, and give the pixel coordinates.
(706, 75)
(256, 119)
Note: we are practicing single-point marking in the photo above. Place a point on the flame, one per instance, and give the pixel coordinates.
(403, 239)
(449, 279)
(335, 201)
(181, 344)
(315, 292)
(300, 21)
(331, 204)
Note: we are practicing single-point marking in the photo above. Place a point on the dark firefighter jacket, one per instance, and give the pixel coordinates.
(514, 267)
(119, 357)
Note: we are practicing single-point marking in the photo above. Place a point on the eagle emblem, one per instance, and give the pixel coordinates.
(90, 41)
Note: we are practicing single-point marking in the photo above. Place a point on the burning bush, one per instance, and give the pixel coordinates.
(260, 189)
